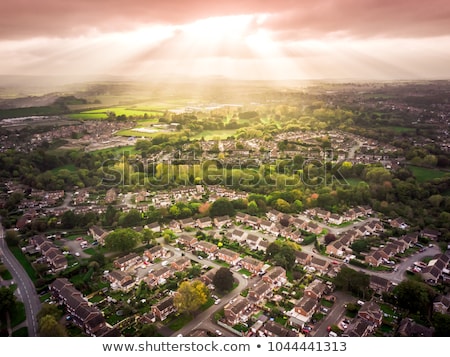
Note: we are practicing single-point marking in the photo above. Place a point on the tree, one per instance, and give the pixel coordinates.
(329, 238)
(221, 207)
(190, 296)
(122, 240)
(7, 300)
(49, 327)
(441, 324)
(147, 235)
(110, 215)
(148, 330)
(131, 219)
(12, 238)
(48, 309)
(415, 296)
(351, 280)
(223, 280)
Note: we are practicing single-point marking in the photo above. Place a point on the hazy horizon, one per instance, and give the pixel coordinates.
(237, 40)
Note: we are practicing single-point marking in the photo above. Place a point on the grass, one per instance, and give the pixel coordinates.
(69, 167)
(45, 297)
(129, 112)
(326, 303)
(423, 174)
(21, 332)
(177, 322)
(5, 274)
(24, 262)
(214, 134)
(19, 314)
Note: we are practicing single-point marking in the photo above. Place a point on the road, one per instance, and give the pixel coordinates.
(204, 319)
(25, 286)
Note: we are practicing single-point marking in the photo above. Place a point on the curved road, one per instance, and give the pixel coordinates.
(25, 286)
(203, 320)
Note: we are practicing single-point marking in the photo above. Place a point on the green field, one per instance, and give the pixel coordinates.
(214, 134)
(69, 167)
(24, 262)
(103, 112)
(423, 174)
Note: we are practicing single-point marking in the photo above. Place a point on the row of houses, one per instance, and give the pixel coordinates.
(52, 254)
(393, 247)
(341, 247)
(334, 218)
(89, 318)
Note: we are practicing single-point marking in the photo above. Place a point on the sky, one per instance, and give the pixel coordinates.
(237, 39)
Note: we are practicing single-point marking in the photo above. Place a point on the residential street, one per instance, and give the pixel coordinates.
(26, 290)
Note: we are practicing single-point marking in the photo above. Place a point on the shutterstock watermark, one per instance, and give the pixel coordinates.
(283, 173)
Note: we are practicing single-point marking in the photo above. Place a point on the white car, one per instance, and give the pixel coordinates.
(218, 333)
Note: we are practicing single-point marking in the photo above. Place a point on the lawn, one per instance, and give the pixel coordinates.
(69, 167)
(423, 174)
(103, 113)
(19, 314)
(214, 134)
(177, 322)
(5, 274)
(24, 262)
(21, 332)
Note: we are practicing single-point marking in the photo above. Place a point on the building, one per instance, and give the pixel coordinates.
(228, 256)
(164, 308)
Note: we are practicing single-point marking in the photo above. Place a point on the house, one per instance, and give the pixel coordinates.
(206, 247)
(110, 196)
(222, 221)
(164, 308)
(228, 256)
(374, 258)
(204, 222)
(128, 261)
(253, 265)
(238, 235)
(371, 312)
(265, 225)
(436, 266)
(315, 289)
(306, 307)
(335, 219)
(313, 228)
(155, 252)
(359, 328)
(302, 258)
(181, 264)
(187, 240)
(336, 248)
(175, 226)
(120, 280)
(159, 276)
(374, 227)
(379, 284)
(299, 223)
(258, 291)
(99, 234)
(237, 310)
(441, 304)
(275, 276)
(241, 217)
(87, 317)
(409, 328)
(273, 215)
(253, 222)
(253, 240)
(154, 227)
(430, 233)
(208, 277)
(320, 265)
(263, 245)
(398, 223)
(410, 239)
(274, 329)
(187, 223)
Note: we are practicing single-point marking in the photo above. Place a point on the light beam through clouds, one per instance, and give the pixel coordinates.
(247, 39)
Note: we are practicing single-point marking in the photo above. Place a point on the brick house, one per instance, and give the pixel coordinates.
(253, 265)
(164, 308)
(228, 256)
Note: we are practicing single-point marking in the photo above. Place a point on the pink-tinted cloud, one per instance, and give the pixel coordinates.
(291, 19)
